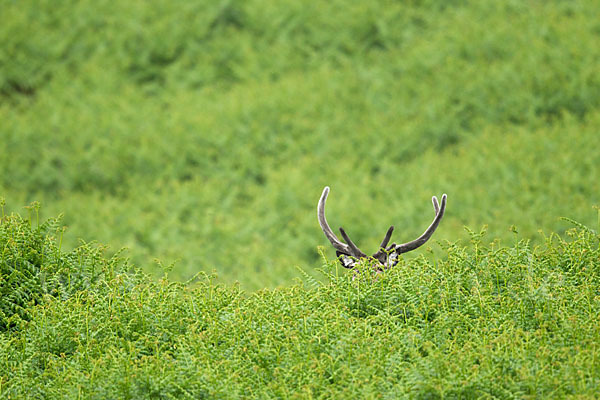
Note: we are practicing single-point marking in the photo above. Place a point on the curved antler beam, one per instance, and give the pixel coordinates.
(335, 242)
(420, 241)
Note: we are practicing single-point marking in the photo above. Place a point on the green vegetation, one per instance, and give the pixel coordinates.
(202, 133)
(480, 322)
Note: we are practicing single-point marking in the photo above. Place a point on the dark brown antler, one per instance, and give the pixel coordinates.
(355, 250)
(387, 256)
(420, 241)
(350, 248)
(383, 252)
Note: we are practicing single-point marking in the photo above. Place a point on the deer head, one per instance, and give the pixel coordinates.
(386, 257)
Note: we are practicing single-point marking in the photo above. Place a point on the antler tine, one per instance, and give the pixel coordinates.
(387, 237)
(436, 205)
(355, 250)
(384, 243)
(335, 242)
(439, 213)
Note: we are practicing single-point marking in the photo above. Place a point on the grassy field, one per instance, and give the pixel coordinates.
(202, 133)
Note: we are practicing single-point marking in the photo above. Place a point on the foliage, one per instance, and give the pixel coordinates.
(202, 133)
(32, 266)
(481, 322)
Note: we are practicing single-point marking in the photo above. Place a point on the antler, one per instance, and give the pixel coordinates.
(349, 248)
(382, 250)
(420, 241)
(355, 250)
(382, 255)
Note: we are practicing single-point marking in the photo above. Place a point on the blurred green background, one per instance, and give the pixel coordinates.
(202, 132)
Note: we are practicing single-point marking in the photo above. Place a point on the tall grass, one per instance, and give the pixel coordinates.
(483, 321)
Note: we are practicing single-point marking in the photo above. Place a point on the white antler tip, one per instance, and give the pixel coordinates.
(325, 193)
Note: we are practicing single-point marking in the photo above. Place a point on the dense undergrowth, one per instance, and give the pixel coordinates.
(482, 321)
(203, 132)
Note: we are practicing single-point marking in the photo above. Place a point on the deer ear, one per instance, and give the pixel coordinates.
(346, 260)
